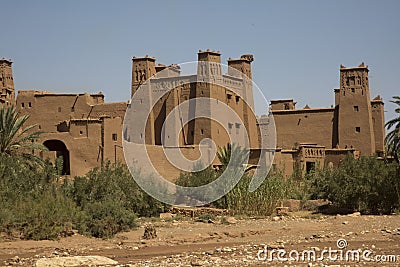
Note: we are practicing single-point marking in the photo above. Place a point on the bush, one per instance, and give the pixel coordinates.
(366, 184)
(239, 200)
(35, 206)
(109, 200)
(32, 206)
(105, 219)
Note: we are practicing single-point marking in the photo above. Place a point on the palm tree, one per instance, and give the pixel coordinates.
(392, 139)
(14, 138)
(239, 156)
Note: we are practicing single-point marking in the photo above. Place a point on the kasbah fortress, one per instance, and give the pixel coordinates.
(85, 131)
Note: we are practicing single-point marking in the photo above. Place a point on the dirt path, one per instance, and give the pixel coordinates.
(189, 243)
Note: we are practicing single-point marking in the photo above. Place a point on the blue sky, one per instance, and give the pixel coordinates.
(298, 46)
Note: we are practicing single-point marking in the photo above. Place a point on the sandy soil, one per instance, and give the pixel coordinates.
(190, 243)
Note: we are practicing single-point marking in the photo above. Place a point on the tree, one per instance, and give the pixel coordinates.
(392, 139)
(14, 137)
(239, 158)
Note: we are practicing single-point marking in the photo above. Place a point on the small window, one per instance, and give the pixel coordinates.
(229, 96)
(202, 131)
(358, 129)
(286, 106)
(30, 104)
(353, 90)
(230, 126)
(22, 105)
(114, 137)
(355, 108)
(237, 99)
(237, 126)
(80, 132)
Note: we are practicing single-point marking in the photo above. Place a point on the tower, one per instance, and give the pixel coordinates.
(243, 67)
(378, 121)
(6, 82)
(142, 69)
(354, 116)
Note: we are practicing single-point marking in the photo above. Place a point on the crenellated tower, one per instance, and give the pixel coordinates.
(6, 82)
(353, 104)
(142, 69)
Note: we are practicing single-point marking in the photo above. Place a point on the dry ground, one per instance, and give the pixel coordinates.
(190, 243)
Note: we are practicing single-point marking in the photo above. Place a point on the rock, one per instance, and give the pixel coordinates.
(16, 259)
(276, 218)
(280, 211)
(355, 214)
(75, 261)
(167, 215)
(231, 220)
(345, 222)
(149, 232)
(196, 263)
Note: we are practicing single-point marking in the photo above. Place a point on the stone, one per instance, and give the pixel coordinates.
(231, 220)
(149, 232)
(167, 215)
(75, 261)
(276, 218)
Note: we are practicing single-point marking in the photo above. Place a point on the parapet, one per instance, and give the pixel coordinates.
(283, 104)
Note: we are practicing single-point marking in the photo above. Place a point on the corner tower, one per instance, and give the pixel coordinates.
(142, 69)
(355, 126)
(6, 82)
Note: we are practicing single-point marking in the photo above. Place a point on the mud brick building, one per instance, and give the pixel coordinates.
(86, 131)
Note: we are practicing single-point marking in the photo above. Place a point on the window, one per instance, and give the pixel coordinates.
(286, 106)
(353, 90)
(230, 126)
(80, 132)
(237, 126)
(237, 99)
(114, 137)
(228, 96)
(310, 167)
(202, 131)
(355, 108)
(22, 105)
(358, 129)
(30, 104)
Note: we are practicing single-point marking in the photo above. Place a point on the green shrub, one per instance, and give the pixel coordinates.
(239, 200)
(366, 184)
(109, 199)
(105, 219)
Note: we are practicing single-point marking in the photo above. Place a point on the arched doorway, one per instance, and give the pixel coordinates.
(60, 150)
